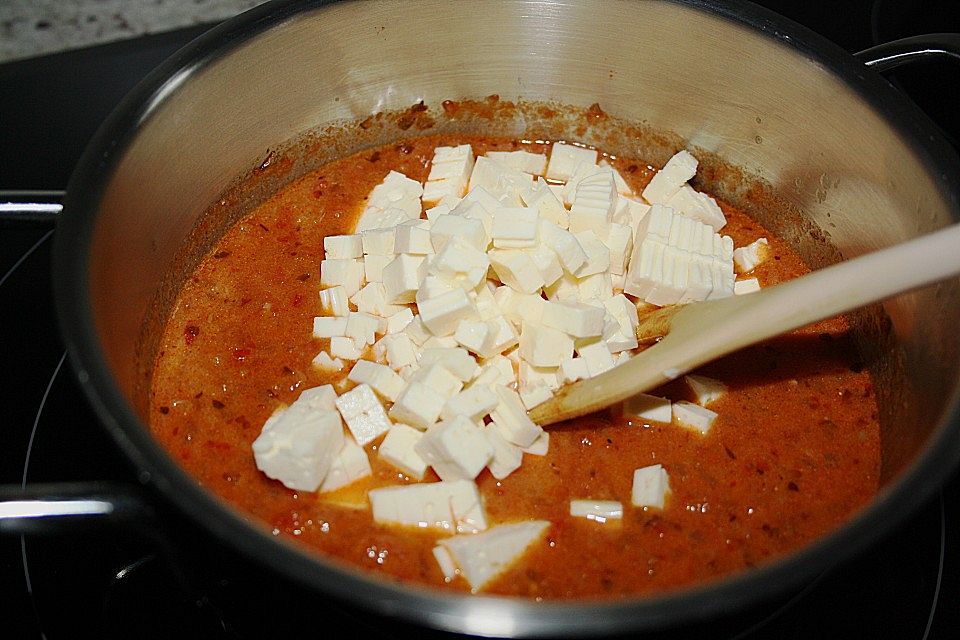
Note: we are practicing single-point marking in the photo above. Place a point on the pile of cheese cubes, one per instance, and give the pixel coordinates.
(453, 326)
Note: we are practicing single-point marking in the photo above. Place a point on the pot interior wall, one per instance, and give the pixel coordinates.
(817, 164)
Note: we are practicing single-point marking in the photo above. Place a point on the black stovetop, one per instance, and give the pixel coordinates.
(117, 583)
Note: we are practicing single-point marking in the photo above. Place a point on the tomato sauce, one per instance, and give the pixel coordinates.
(794, 452)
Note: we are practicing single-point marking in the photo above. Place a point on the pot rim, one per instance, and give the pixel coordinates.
(481, 615)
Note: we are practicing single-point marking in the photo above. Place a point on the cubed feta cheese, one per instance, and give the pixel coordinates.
(413, 239)
(361, 328)
(448, 506)
(418, 405)
(647, 407)
(453, 359)
(748, 285)
(516, 269)
(596, 510)
(350, 465)
(571, 370)
(689, 202)
(594, 204)
(449, 172)
(399, 351)
(333, 301)
(381, 379)
(514, 228)
(650, 487)
(363, 413)
(511, 418)
(460, 265)
(564, 158)
(443, 229)
(298, 444)
(329, 326)
(345, 246)
(597, 253)
(395, 199)
(474, 403)
(442, 314)
(597, 357)
(746, 259)
(345, 272)
(398, 321)
(398, 450)
(574, 318)
(448, 566)
(456, 449)
(507, 457)
(540, 446)
(543, 346)
(535, 163)
(692, 416)
(484, 556)
(706, 389)
(345, 348)
(325, 363)
(665, 184)
(401, 278)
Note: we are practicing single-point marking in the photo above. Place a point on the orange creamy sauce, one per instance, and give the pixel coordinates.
(794, 451)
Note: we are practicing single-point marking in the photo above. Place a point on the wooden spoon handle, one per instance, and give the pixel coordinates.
(704, 331)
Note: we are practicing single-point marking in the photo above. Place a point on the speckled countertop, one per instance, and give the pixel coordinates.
(36, 27)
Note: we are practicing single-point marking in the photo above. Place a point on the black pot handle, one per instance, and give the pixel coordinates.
(39, 209)
(890, 55)
(62, 507)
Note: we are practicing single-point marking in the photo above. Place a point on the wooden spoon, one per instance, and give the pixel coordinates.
(698, 333)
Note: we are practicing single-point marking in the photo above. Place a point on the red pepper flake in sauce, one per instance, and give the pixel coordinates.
(190, 333)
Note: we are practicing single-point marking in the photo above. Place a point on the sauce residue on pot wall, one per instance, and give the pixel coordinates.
(794, 452)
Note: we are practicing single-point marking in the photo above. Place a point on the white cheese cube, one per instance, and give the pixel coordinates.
(443, 229)
(344, 348)
(344, 246)
(536, 394)
(361, 328)
(511, 418)
(416, 331)
(398, 450)
(378, 242)
(496, 370)
(569, 252)
(501, 181)
(571, 370)
(543, 346)
(531, 376)
(350, 465)
(547, 262)
(433, 286)
(418, 405)
(472, 335)
(691, 203)
(519, 307)
(453, 359)
(567, 288)
(665, 184)
(484, 556)
(372, 299)
(456, 449)
(583, 170)
(445, 342)
(692, 416)
(746, 259)
(594, 204)
(516, 269)
(514, 228)
(381, 379)
(398, 321)
(574, 318)
(597, 254)
(363, 413)
(535, 163)
(325, 363)
(650, 487)
(322, 397)
(748, 285)
(622, 187)
(474, 403)
(597, 510)
(706, 389)
(298, 444)
(647, 407)
(540, 446)
(412, 239)
(449, 172)
(597, 356)
(624, 314)
(328, 327)
(345, 272)
(334, 301)
(441, 382)
(401, 278)
(447, 506)
(441, 209)
(399, 351)
(542, 199)
(448, 566)
(503, 336)
(507, 457)
(442, 314)
(373, 267)
(460, 264)
(395, 199)
(620, 243)
(564, 158)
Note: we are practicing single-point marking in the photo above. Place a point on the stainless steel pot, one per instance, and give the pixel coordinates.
(810, 127)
